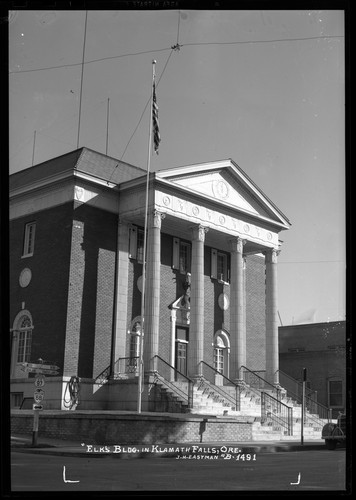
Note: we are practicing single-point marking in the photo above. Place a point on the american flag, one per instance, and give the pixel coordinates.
(156, 135)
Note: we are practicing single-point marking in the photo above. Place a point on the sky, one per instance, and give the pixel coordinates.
(264, 88)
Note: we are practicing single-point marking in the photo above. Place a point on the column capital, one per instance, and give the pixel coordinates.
(198, 232)
(157, 218)
(271, 255)
(237, 244)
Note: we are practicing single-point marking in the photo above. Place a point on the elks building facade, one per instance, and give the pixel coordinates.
(76, 254)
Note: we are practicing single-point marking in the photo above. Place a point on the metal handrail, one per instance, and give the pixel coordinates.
(309, 392)
(171, 385)
(313, 406)
(261, 380)
(218, 388)
(105, 375)
(279, 413)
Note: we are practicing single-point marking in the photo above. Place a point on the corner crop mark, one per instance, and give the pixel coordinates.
(298, 482)
(64, 477)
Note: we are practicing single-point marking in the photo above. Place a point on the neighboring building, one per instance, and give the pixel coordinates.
(76, 253)
(321, 349)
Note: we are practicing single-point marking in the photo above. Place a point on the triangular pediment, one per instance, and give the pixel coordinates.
(225, 183)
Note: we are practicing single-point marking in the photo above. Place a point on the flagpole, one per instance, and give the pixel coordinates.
(141, 367)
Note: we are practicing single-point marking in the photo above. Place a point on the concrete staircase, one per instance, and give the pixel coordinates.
(209, 399)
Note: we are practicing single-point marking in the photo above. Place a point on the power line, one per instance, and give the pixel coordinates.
(311, 262)
(242, 42)
(263, 41)
(90, 61)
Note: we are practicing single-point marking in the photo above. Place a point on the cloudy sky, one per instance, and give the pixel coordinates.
(265, 88)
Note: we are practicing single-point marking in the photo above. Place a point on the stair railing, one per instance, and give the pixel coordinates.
(276, 412)
(252, 379)
(173, 379)
(311, 404)
(122, 366)
(212, 375)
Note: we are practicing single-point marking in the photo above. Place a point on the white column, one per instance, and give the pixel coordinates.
(237, 310)
(121, 283)
(196, 330)
(152, 293)
(272, 364)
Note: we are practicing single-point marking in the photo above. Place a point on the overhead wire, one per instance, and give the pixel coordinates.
(176, 47)
(238, 42)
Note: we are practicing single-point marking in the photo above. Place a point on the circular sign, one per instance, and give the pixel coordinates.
(25, 277)
(223, 301)
(39, 381)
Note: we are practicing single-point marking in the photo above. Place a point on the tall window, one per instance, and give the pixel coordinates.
(140, 242)
(29, 239)
(219, 359)
(25, 340)
(184, 257)
(221, 352)
(181, 258)
(220, 265)
(335, 393)
(136, 238)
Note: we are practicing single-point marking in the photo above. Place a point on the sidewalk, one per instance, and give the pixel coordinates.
(47, 446)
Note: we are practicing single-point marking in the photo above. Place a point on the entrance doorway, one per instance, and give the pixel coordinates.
(182, 334)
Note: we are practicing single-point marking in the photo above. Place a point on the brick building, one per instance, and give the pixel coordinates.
(321, 349)
(76, 259)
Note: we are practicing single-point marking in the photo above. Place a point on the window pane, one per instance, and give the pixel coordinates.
(29, 239)
(335, 386)
(184, 258)
(140, 242)
(222, 266)
(335, 393)
(335, 399)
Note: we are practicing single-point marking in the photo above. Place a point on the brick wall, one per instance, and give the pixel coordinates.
(132, 429)
(93, 250)
(46, 295)
(215, 318)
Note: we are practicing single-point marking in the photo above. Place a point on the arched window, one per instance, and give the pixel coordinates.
(221, 352)
(24, 329)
